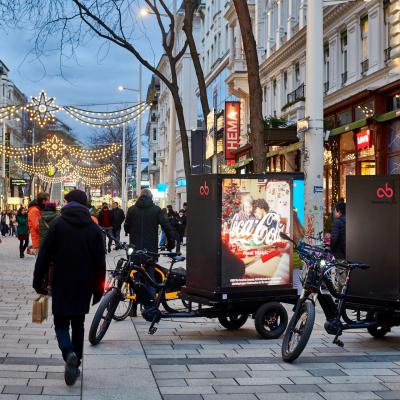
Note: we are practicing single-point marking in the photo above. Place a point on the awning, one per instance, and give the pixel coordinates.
(242, 163)
(286, 149)
(349, 127)
(387, 116)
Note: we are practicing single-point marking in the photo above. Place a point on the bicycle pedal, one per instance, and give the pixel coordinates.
(338, 343)
(152, 330)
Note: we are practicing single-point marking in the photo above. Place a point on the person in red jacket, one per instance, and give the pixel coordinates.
(106, 221)
(34, 214)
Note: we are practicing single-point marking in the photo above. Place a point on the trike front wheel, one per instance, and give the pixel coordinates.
(271, 320)
(298, 332)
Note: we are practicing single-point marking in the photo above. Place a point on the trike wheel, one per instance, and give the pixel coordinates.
(298, 332)
(271, 320)
(379, 331)
(233, 322)
(103, 316)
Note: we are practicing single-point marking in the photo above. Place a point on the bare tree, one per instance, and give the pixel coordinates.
(113, 21)
(256, 116)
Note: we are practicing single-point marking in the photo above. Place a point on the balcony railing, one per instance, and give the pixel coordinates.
(296, 95)
(364, 67)
(387, 54)
(344, 78)
(326, 87)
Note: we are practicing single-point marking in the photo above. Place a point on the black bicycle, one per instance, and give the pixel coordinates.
(132, 274)
(326, 280)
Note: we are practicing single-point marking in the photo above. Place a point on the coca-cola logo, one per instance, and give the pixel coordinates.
(264, 231)
(384, 192)
(204, 190)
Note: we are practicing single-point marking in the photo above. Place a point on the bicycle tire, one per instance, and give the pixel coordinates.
(271, 320)
(168, 307)
(125, 312)
(289, 355)
(233, 322)
(107, 305)
(379, 331)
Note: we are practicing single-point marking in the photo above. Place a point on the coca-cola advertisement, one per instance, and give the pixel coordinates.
(254, 213)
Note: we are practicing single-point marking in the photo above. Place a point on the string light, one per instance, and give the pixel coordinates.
(42, 109)
(32, 170)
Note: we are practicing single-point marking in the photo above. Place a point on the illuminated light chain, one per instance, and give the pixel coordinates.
(51, 179)
(42, 109)
(9, 110)
(107, 121)
(103, 113)
(91, 171)
(42, 169)
(95, 154)
(95, 181)
(20, 151)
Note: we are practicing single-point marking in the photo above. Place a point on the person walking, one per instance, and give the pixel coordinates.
(34, 213)
(49, 213)
(4, 226)
(118, 217)
(142, 222)
(106, 222)
(338, 232)
(22, 230)
(74, 244)
(163, 237)
(13, 223)
(181, 225)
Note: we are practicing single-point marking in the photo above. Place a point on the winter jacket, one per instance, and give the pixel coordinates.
(118, 217)
(105, 222)
(34, 213)
(74, 243)
(142, 221)
(22, 221)
(338, 237)
(44, 223)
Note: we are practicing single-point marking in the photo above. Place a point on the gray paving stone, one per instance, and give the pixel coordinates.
(289, 396)
(54, 397)
(242, 396)
(218, 367)
(273, 380)
(327, 372)
(369, 371)
(353, 379)
(182, 397)
(187, 390)
(9, 396)
(249, 389)
(355, 387)
(393, 395)
(14, 389)
(230, 374)
(171, 382)
(184, 375)
(300, 388)
(307, 380)
(351, 396)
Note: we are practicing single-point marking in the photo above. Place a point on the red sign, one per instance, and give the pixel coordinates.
(385, 191)
(363, 139)
(232, 128)
(204, 190)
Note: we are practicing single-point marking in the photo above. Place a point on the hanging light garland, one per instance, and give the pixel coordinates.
(93, 171)
(51, 179)
(42, 169)
(42, 109)
(94, 154)
(17, 152)
(96, 181)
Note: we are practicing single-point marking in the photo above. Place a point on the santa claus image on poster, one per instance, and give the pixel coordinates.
(254, 213)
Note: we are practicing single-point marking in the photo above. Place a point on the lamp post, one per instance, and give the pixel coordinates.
(139, 143)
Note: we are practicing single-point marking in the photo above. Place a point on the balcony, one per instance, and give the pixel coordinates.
(326, 87)
(294, 97)
(344, 78)
(364, 67)
(387, 54)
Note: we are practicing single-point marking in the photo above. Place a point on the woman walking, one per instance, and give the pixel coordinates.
(22, 230)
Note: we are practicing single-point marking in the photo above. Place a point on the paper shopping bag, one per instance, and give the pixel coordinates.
(40, 309)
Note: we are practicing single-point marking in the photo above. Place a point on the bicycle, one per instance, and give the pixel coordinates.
(319, 281)
(138, 290)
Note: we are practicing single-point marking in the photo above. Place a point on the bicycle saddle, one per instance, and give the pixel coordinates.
(353, 265)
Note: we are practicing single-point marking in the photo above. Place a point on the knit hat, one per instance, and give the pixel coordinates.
(77, 195)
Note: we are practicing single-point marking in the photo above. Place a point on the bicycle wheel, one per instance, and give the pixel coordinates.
(126, 305)
(378, 332)
(103, 316)
(172, 304)
(298, 332)
(233, 322)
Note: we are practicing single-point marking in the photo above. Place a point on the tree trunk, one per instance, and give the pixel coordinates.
(190, 6)
(255, 91)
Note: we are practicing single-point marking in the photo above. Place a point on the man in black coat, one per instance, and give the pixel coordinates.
(74, 244)
(338, 232)
(142, 221)
(117, 217)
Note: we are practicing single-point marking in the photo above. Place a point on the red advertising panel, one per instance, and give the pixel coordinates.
(232, 128)
(254, 213)
(363, 139)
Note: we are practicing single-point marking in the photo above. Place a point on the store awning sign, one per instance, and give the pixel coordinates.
(363, 139)
(232, 128)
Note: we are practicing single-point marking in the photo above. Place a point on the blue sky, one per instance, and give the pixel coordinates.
(91, 77)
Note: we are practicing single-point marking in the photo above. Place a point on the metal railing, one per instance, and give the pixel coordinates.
(344, 78)
(296, 95)
(364, 67)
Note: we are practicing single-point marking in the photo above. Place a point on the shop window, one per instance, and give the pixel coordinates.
(364, 110)
(394, 165)
(346, 169)
(347, 147)
(394, 137)
(396, 102)
(368, 168)
(344, 118)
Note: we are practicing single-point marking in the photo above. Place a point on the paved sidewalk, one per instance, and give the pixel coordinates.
(186, 359)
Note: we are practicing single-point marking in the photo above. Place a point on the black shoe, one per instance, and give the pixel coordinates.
(71, 372)
(21, 255)
(109, 250)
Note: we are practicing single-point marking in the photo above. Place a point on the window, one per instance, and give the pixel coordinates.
(364, 110)
(344, 118)
(364, 38)
(285, 80)
(343, 54)
(326, 68)
(155, 134)
(154, 158)
(297, 73)
(386, 20)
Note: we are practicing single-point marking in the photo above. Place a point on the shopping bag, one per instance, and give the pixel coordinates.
(40, 309)
(30, 250)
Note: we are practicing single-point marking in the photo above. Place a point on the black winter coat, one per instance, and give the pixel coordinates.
(142, 221)
(74, 243)
(117, 217)
(338, 237)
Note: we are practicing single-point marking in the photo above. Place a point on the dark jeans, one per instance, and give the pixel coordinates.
(109, 230)
(66, 345)
(23, 244)
(117, 234)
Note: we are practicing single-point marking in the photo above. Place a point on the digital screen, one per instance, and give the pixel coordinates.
(254, 213)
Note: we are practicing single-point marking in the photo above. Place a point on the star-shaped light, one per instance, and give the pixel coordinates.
(42, 109)
(64, 165)
(54, 147)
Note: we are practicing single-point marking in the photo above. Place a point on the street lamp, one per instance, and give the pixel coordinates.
(139, 143)
(144, 12)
